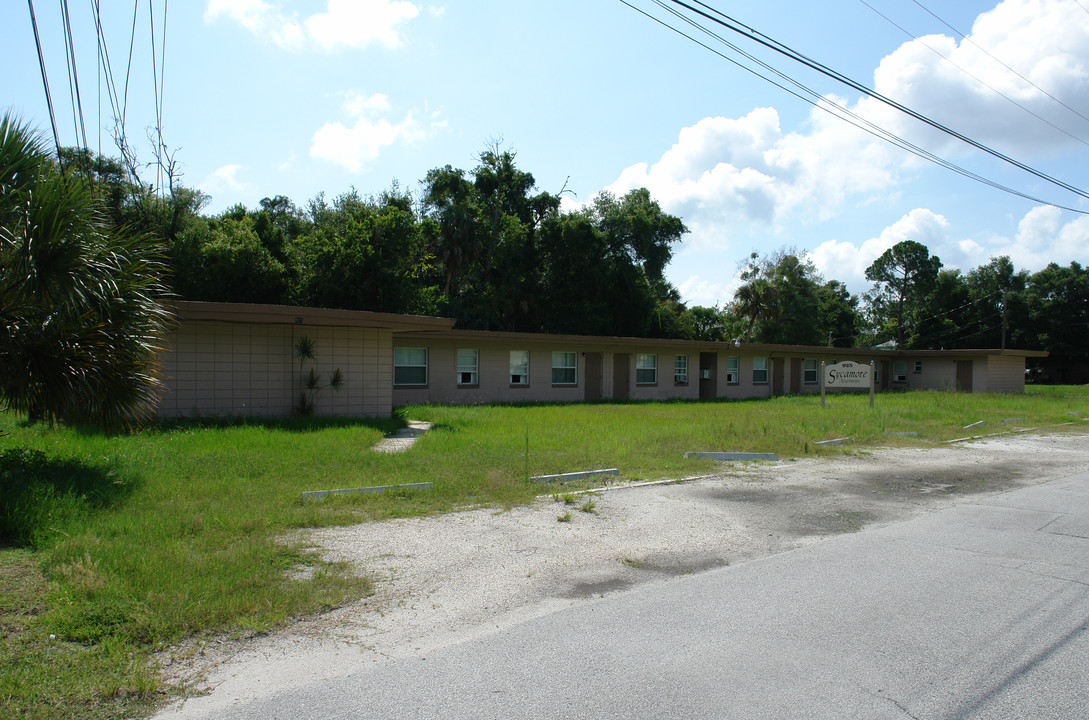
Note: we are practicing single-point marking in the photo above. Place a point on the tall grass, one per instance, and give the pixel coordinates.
(133, 542)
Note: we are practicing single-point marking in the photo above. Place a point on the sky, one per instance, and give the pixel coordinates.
(299, 97)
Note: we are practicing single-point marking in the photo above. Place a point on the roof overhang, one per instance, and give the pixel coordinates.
(190, 310)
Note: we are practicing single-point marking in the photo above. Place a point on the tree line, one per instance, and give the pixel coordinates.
(486, 247)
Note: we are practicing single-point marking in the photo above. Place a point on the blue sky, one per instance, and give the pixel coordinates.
(294, 97)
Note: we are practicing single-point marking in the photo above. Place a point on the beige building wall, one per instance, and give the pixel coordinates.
(494, 384)
(250, 369)
(1003, 373)
(239, 360)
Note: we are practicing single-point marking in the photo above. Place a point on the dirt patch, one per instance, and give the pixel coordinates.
(449, 578)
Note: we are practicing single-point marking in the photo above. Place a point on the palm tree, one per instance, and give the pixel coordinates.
(82, 303)
(756, 299)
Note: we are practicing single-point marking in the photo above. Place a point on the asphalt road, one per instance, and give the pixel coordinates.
(977, 611)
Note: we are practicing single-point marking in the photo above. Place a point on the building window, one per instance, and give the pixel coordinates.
(810, 371)
(900, 371)
(733, 374)
(646, 369)
(468, 367)
(759, 370)
(519, 367)
(564, 368)
(918, 366)
(409, 366)
(680, 369)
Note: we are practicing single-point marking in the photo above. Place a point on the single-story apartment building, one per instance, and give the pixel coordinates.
(243, 359)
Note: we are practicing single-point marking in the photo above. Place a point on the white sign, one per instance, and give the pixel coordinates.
(847, 374)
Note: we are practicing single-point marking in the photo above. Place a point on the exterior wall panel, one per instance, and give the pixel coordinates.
(238, 369)
(233, 359)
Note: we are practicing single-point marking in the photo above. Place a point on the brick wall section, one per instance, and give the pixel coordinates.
(243, 369)
(1005, 374)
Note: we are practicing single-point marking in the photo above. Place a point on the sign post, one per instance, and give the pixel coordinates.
(849, 375)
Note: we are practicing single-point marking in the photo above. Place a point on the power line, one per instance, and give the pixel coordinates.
(45, 79)
(758, 37)
(155, 95)
(821, 103)
(984, 50)
(128, 70)
(964, 70)
(73, 75)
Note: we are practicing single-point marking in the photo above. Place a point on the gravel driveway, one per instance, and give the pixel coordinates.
(447, 578)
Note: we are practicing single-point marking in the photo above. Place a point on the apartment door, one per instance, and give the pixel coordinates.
(593, 376)
(964, 375)
(621, 374)
(777, 376)
(708, 388)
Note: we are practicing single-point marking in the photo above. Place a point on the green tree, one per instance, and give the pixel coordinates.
(223, 260)
(949, 320)
(362, 254)
(1058, 304)
(997, 292)
(839, 318)
(903, 277)
(708, 323)
(601, 270)
(454, 233)
(755, 300)
(82, 303)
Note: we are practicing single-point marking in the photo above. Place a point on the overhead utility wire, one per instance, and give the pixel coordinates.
(157, 97)
(735, 26)
(984, 50)
(73, 75)
(964, 70)
(45, 78)
(128, 70)
(162, 75)
(842, 113)
(107, 67)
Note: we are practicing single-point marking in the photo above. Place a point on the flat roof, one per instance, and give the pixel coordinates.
(290, 315)
(424, 327)
(708, 345)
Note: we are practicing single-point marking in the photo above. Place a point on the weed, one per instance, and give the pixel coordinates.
(588, 506)
(177, 531)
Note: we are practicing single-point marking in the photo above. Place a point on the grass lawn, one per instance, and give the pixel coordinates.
(117, 546)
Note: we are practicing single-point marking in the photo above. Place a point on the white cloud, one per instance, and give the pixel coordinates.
(697, 291)
(1046, 41)
(846, 262)
(344, 23)
(1042, 238)
(358, 23)
(725, 175)
(260, 18)
(356, 104)
(352, 147)
(223, 180)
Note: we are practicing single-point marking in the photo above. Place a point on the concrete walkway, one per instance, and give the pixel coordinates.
(977, 611)
(403, 439)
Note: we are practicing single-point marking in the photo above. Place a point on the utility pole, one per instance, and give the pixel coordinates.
(1004, 318)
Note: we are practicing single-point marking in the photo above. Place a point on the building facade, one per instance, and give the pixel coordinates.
(233, 359)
